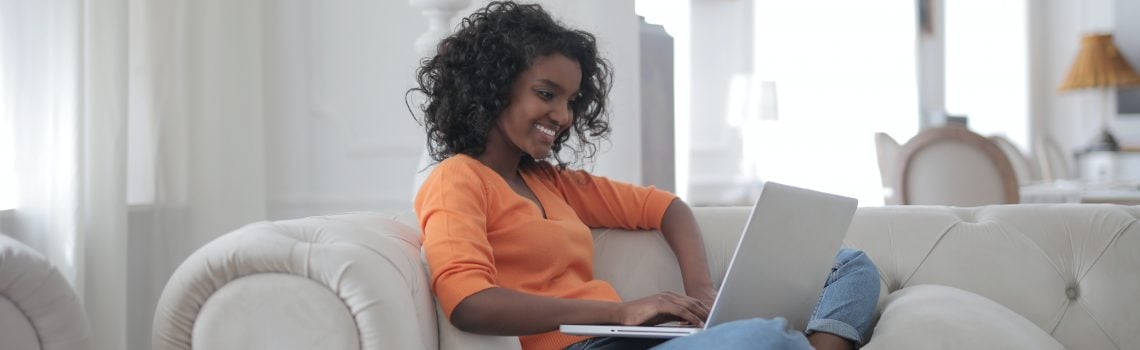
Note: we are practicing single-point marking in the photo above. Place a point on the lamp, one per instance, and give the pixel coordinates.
(1099, 65)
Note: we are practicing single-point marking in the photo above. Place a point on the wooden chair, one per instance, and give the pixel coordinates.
(887, 150)
(954, 166)
(1023, 166)
(1052, 159)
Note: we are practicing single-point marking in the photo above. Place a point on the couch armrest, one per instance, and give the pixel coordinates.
(38, 308)
(369, 263)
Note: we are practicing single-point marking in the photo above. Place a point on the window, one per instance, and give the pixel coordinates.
(784, 91)
(987, 66)
(7, 153)
(839, 75)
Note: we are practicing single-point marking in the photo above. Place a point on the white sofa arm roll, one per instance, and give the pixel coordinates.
(350, 281)
(38, 308)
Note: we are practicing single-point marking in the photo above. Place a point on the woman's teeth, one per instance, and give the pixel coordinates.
(545, 130)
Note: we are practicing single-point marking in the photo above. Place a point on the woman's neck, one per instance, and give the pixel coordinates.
(501, 157)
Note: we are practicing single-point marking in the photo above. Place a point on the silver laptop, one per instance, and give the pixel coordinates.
(780, 265)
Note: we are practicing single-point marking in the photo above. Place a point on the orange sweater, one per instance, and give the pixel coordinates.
(478, 233)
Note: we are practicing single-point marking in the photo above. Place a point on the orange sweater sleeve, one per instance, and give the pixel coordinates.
(601, 202)
(452, 209)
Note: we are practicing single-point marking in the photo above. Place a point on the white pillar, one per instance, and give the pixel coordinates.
(439, 14)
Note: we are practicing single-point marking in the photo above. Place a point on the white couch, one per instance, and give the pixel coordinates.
(38, 308)
(997, 277)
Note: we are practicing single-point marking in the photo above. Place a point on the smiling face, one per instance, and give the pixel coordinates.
(539, 109)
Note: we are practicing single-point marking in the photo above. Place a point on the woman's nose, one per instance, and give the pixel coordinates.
(561, 116)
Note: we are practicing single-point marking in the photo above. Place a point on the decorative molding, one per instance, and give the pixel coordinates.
(439, 14)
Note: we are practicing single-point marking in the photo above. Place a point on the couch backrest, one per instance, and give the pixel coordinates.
(1071, 269)
(640, 263)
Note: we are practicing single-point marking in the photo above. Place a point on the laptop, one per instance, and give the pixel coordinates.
(778, 268)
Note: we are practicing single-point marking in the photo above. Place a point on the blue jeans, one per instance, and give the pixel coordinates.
(846, 307)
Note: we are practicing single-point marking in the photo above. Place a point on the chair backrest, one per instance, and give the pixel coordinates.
(1052, 159)
(953, 166)
(887, 150)
(1023, 166)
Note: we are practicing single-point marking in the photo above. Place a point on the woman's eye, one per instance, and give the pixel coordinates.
(545, 95)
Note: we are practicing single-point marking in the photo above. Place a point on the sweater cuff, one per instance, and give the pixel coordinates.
(655, 206)
(458, 288)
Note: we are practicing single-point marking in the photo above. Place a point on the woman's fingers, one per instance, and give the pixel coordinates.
(688, 309)
(693, 305)
(663, 307)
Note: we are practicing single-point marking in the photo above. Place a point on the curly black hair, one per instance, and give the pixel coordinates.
(467, 84)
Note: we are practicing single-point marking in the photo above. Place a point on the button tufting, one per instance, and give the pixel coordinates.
(967, 217)
(1072, 292)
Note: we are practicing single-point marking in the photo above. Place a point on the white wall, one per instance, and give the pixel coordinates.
(340, 137)
(1056, 27)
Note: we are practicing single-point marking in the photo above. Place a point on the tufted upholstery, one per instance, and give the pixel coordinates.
(38, 308)
(1071, 271)
(297, 284)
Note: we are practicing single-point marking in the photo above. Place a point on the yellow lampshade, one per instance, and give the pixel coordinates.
(1099, 64)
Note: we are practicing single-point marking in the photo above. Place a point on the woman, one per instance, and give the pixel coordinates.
(506, 224)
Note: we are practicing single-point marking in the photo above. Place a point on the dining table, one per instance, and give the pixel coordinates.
(1077, 191)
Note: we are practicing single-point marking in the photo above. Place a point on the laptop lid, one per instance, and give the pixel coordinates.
(781, 261)
(784, 255)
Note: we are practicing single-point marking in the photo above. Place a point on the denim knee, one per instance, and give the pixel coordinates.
(854, 290)
(854, 258)
(854, 262)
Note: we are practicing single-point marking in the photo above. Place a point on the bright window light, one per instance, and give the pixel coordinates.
(838, 76)
(987, 66)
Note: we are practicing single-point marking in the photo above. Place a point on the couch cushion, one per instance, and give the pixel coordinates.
(248, 313)
(941, 317)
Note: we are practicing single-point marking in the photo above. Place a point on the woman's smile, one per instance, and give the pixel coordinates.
(546, 134)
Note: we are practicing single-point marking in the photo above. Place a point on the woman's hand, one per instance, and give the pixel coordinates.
(660, 308)
(705, 294)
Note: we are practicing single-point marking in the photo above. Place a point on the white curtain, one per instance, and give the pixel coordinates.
(64, 73)
(162, 100)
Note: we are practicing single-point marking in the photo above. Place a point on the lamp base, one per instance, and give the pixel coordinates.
(1105, 143)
